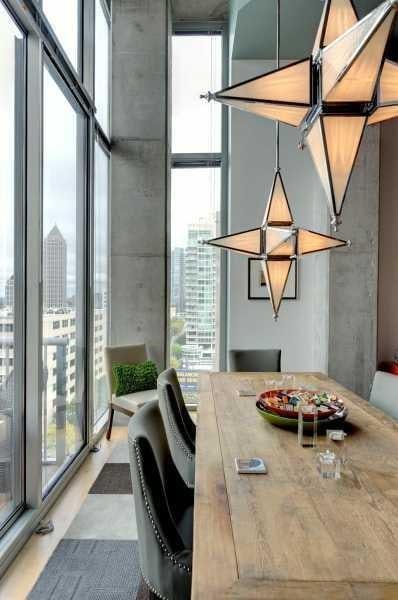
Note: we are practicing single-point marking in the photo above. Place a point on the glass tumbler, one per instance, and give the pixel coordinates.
(288, 381)
(336, 443)
(307, 436)
(329, 465)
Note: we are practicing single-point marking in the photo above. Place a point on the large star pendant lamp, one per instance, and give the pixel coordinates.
(278, 242)
(333, 94)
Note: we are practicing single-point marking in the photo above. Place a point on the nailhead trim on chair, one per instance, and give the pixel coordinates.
(152, 588)
(177, 436)
(161, 542)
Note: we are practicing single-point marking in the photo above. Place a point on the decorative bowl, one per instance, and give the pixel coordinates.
(284, 402)
(334, 420)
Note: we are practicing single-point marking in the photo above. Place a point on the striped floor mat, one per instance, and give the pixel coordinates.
(98, 557)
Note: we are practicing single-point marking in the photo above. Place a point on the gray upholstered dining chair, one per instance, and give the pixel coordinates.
(179, 427)
(252, 361)
(163, 507)
(384, 393)
(130, 403)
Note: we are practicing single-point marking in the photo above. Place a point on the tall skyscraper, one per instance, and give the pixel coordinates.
(177, 279)
(54, 269)
(9, 292)
(201, 267)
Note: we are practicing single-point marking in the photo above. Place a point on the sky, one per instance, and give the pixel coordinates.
(196, 69)
(63, 16)
(61, 204)
(101, 217)
(195, 198)
(8, 32)
(196, 127)
(60, 198)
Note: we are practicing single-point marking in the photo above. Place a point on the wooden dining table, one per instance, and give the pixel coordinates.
(290, 534)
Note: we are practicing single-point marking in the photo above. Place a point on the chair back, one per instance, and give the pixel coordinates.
(384, 393)
(179, 427)
(123, 355)
(160, 496)
(252, 361)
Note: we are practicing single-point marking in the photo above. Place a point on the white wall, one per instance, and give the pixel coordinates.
(302, 329)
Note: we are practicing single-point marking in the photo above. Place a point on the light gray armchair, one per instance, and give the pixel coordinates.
(130, 403)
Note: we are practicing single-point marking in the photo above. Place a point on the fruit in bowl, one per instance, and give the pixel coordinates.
(285, 403)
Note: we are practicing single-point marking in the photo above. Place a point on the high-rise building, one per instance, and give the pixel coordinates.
(201, 267)
(9, 292)
(177, 280)
(54, 269)
(59, 328)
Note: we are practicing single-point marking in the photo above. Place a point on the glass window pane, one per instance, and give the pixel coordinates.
(100, 316)
(11, 295)
(63, 282)
(196, 69)
(64, 19)
(195, 274)
(101, 67)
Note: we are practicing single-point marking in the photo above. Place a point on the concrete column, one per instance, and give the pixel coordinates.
(353, 276)
(139, 174)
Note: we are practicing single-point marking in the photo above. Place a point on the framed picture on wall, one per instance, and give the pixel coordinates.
(257, 286)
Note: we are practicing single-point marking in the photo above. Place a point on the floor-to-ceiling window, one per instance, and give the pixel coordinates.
(63, 276)
(196, 211)
(101, 92)
(100, 248)
(54, 179)
(12, 126)
(100, 283)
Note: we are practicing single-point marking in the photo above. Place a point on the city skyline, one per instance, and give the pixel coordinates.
(58, 254)
(193, 300)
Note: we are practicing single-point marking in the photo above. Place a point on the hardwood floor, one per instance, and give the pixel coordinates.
(23, 573)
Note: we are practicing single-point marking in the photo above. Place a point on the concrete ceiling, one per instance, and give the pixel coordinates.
(254, 27)
(200, 10)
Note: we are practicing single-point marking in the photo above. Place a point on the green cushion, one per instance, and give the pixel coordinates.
(130, 378)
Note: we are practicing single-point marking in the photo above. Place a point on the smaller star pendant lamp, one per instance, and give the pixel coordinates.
(346, 84)
(277, 241)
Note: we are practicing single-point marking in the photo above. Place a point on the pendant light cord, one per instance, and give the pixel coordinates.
(278, 49)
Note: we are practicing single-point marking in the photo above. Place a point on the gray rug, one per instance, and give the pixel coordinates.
(93, 561)
(114, 478)
(91, 570)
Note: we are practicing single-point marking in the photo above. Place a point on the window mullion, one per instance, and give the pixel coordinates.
(191, 160)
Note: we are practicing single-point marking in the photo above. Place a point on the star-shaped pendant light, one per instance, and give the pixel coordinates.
(346, 84)
(278, 242)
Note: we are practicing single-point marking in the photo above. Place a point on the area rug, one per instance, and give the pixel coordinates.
(98, 557)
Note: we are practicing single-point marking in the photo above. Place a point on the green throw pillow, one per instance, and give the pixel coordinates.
(130, 378)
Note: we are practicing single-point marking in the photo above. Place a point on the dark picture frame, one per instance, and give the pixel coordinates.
(257, 287)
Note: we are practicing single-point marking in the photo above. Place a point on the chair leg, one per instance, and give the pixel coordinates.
(110, 423)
